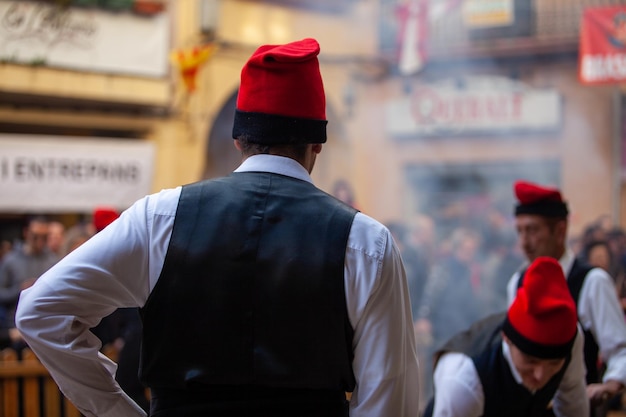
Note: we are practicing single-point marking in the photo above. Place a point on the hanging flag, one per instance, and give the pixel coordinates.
(414, 20)
(602, 58)
(189, 61)
(413, 27)
(413, 34)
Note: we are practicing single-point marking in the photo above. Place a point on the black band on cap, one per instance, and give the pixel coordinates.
(543, 208)
(535, 349)
(271, 129)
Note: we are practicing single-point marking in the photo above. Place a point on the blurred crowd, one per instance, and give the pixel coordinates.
(43, 243)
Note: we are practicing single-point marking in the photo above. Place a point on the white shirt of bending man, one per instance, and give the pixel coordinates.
(459, 392)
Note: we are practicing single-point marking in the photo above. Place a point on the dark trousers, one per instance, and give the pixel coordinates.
(247, 401)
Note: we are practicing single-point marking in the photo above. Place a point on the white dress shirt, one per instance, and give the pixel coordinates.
(459, 392)
(598, 310)
(120, 266)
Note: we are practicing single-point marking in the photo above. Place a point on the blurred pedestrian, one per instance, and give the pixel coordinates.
(449, 301)
(343, 191)
(21, 268)
(56, 238)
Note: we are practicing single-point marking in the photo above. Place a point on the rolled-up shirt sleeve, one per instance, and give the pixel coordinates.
(458, 391)
(385, 359)
(600, 311)
(111, 270)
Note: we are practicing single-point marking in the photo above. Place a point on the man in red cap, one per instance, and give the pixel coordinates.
(261, 295)
(526, 362)
(541, 219)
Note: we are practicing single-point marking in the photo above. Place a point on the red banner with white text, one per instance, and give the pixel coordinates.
(602, 57)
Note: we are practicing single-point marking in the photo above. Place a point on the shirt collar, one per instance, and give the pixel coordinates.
(275, 164)
(507, 355)
(506, 351)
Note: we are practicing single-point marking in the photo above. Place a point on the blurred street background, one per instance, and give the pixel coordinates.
(435, 108)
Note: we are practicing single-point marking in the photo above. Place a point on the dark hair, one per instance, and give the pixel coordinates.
(615, 233)
(553, 221)
(37, 218)
(295, 150)
(589, 246)
(343, 185)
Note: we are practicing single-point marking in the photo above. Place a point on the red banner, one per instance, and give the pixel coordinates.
(602, 57)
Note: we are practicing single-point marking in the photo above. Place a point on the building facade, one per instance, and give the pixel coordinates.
(492, 96)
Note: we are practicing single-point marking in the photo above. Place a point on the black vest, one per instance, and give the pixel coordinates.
(575, 281)
(482, 342)
(249, 312)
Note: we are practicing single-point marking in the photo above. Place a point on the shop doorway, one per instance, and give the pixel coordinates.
(221, 156)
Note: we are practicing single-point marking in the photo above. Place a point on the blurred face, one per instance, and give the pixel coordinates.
(37, 237)
(539, 236)
(599, 256)
(535, 372)
(56, 235)
(467, 249)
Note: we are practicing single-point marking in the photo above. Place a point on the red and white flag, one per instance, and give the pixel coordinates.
(602, 53)
(413, 35)
(415, 17)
